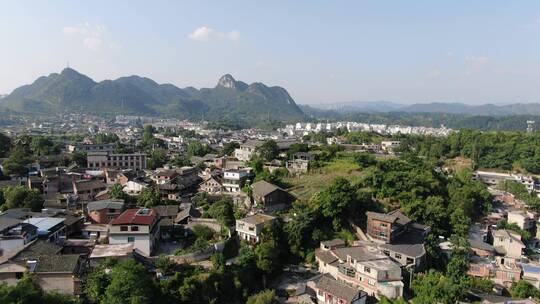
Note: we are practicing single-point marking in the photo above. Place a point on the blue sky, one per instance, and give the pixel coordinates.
(320, 51)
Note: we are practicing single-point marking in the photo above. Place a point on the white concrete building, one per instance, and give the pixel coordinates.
(138, 227)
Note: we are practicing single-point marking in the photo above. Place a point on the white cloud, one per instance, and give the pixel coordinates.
(475, 64)
(93, 43)
(261, 64)
(204, 34)
(91, 36)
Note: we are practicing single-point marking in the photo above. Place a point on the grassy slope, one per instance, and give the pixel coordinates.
(304, 186)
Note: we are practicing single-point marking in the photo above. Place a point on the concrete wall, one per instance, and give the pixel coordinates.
(141, 243)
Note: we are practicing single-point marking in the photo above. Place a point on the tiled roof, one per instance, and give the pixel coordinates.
(263, 188)
(57, 263)
(88, 185)
(333, 243)
(258, 218)
(38, 248)
(166, 210)
(340, 290)
(325, 255)
(105, 204)
(392, 217)
(140, 216)
(8, 222)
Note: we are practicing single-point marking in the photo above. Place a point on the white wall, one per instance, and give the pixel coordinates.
(141, 243)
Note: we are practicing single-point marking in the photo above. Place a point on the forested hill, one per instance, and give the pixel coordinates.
(71, 91)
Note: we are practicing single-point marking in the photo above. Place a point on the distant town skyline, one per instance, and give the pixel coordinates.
(409, 52)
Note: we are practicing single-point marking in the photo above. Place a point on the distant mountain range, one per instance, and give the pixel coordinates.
(71, 91)
(436, 107)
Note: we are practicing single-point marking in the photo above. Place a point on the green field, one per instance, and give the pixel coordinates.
(304, 186)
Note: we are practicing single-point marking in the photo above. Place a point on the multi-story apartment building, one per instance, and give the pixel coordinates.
(137, 226)
(363, 266)
(398, 237)
(234, 180)
(92, 148)
(100, 160)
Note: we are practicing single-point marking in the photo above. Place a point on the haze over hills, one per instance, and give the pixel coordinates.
(229, 99)
(434, 107)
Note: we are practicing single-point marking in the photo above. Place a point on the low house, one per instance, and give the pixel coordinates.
(525, 220)
(331, 291)
(49, 228)
(86, 190)
(300, 163)
(137, 226)
(531, 273)
(167, 211)
(212, 185)
(102, 212)
(169, 191)
(165, 176)
(247, 150)
(250, 228)
(270, 197)
(187, 178)
(508, 243)
(186, 213)
(363, 266)
(14, 235)
(134, 188)
(390, 146)
(272, 166)
(54, 272)
(102, 252)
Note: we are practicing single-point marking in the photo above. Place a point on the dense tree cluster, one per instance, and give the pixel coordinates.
(21, 197)
(28, 291)
(500, 150)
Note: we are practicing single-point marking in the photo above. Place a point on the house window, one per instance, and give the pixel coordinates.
(18, 275)
(386, 252)
(123, 228)
(134, 228)
(398, 256)
(371, 282)
(251, 228)
(131, 239)
(383, 225)
(367, 269)
(410, 260)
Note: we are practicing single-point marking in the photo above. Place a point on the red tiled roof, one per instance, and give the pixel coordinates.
(135, 216)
